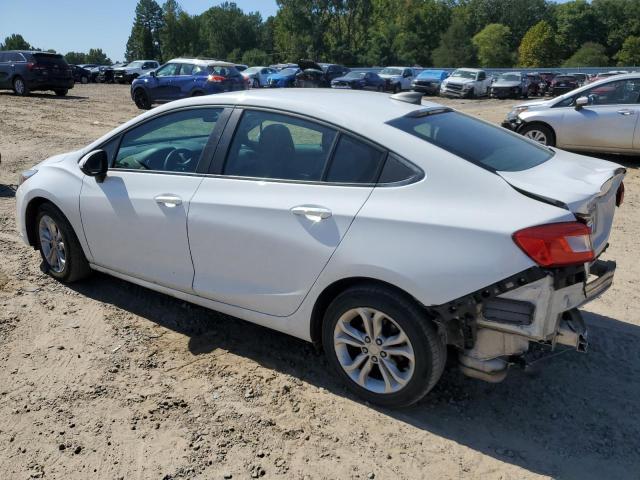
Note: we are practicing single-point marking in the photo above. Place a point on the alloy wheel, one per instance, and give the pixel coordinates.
(52, 244)
(18, 84)
(537, 136)
(373, 350)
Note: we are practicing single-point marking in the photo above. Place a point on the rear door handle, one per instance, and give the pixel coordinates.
(168, 200)
(626, 111)
(315, 214)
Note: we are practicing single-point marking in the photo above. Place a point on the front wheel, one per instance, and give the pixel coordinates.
(20, 87)
(84, 80)
(61, 92)
(539, 133)
(62, 255)
(255, 83)
(383, 346)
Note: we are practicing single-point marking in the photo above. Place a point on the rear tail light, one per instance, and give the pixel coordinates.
(34, 67)
(620, 195)
(215, 78)
(556, 244)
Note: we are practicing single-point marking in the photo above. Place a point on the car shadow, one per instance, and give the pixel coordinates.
(47, 95)
(577, 416)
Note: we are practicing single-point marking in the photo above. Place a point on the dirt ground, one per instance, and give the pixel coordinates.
(108, 380)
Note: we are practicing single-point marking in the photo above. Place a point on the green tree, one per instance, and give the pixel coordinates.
(492, 44)
(589, 55)
(456, 49)
(629, 54)
(144, 41)
(96, 55)
(538, 47)
(577, 23)
(620, 18)
(256, 57)
(74, 58)
(226, 28)
(15, 42)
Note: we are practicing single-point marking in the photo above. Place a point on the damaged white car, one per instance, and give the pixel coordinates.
(384, 238)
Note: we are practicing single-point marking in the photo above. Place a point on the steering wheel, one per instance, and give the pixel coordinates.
(177, 160)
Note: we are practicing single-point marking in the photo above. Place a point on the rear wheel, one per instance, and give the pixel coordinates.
(141, 99)
(539, 133)
(61, 92)
(84, 80)
(383, 346)
(20, 87)
(62, 255)
(255, 83)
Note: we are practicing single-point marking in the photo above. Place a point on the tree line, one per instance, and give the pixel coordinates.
(440, 33)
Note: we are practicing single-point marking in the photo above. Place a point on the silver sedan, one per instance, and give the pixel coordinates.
(599, 117)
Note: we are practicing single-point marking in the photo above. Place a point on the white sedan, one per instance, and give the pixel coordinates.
(377, 227)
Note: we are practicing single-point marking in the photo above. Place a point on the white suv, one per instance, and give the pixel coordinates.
(382, 229)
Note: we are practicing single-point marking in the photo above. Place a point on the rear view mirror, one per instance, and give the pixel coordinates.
(95, 164)
(582, 102)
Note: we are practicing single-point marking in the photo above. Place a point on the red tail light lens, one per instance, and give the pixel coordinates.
(620, 195)
(215, 78)
(556, 244)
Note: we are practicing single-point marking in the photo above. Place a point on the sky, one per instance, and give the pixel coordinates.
(78, 25)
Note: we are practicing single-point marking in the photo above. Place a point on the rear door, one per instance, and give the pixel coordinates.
(609, 121)
(5, 70)
(284, 193)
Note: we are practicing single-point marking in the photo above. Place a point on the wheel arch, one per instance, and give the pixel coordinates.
(336, 288)
(30, 214)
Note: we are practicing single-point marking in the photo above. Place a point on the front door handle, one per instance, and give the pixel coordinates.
(626, 111)
(315, 214)
(168, 200)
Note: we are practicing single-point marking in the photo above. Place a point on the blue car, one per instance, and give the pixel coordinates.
(185, 77)
(429, 81)
(283, 79)
(360, 81)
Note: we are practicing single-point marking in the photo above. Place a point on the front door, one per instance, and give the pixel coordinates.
(135, 222)
(608, 122)
(165, 82)
(264, 228)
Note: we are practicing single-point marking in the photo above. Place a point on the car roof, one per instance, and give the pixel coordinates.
(203, 62)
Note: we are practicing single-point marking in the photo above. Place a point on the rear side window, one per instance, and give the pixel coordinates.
(354, 162)
(397, 170)
(477, 142)
(271, 145)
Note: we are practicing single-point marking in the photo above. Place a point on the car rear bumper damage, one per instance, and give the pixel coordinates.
(493, 325)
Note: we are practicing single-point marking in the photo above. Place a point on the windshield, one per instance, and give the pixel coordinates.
(355, 75)
(464, 74)
(135, 64)
(431, 74)
(484, 144)
(251, 70)
(391, 71)
(288, 71)
(509, 77)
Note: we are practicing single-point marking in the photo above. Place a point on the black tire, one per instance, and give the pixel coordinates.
(255, 83)
(428, 346)
(20, 86)
(76, 266)
(530, 130)
(141, 99)
(84, 80)
(61, 92)
(396, 88)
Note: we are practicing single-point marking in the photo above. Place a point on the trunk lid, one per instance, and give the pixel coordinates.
(587, 186)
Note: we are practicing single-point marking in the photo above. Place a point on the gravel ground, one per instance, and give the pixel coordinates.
(108, 380)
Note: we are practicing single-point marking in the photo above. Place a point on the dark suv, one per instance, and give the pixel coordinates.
(27, 71)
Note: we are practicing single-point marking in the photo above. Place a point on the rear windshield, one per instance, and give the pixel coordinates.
(49, 59)
(478, 142)
(565, 78)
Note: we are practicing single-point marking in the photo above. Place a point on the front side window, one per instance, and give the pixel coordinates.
(485, 145)
(272, 145)
(354, 162)
(620, 92)
(168, 70)
(171, 143)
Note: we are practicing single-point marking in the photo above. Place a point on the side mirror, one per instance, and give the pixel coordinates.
(582, 102)
(95, 164)
(152, 73)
